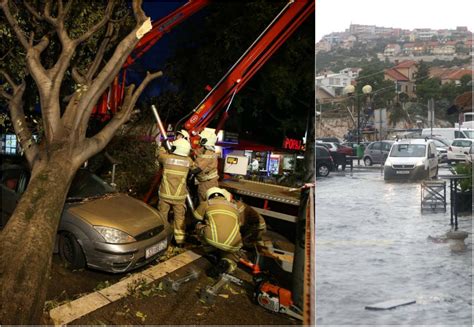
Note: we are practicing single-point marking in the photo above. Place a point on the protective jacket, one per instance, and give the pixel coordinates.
(175, 171)
(221, 224)
(207, 161)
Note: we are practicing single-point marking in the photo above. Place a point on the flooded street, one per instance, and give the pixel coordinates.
(372, 246)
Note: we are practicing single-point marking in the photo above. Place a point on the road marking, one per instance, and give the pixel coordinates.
(73, 310)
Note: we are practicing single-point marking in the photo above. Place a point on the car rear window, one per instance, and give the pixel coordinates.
(462, 143)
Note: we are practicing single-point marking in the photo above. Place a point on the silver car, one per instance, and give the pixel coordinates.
(99, 227)
(377, 152)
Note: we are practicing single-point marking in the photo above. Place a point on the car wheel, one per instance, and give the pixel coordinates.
(70, 251)
(367, 161)
(323, 170)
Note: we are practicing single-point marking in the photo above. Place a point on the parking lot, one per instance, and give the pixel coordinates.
(373, 245)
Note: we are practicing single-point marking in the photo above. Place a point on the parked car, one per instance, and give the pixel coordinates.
(377, 152)
(328, 139)
(99, 227)
(442, 146)
(411, 159)
(470, 154)
(324, 161)
(457, 149)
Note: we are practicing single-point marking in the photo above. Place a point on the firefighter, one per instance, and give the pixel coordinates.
(206, 163)
(252, 224)
(173, 191)
(219, 229)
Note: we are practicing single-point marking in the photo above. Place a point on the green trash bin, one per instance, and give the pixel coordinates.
(360, 151)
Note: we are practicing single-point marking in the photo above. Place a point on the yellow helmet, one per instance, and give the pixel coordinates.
(214, 190)
(184, 133)
(208, 137)
(182, 147)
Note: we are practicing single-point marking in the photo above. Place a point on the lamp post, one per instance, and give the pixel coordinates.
(349, 90)
(367, 89)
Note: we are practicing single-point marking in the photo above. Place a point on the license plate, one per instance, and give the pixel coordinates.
(403, 172)
(154, 249)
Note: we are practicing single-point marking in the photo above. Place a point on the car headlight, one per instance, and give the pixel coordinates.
(420, 163)
(115, 236)
(388, 162)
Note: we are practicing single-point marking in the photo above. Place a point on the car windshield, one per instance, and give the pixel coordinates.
(462, 143)
(469, 134)
(408, 150)
(86, 184)
(439, 144)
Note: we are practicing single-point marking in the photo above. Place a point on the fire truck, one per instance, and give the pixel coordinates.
(270, 200)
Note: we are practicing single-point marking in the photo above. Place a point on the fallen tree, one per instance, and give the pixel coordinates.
(27, 240)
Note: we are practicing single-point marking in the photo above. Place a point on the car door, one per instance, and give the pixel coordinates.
(376, 152)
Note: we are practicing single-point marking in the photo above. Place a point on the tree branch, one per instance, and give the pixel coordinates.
(101, 139)
(14, 24)
(33, 11)
(100, 53)
(108, 73)
(77, 76)
(99, 25)
(138, 11)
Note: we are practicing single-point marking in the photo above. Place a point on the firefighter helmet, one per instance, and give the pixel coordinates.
(208, 137)
(184, 134)
(215, 190)
(182, 147)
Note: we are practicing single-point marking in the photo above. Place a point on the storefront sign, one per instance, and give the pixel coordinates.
(292, 144)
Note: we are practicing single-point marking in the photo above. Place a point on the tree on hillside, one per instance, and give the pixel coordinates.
(423, 72)
(50, 40)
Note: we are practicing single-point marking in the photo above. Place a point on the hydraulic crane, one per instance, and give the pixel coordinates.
(113, 98)
(284, 24)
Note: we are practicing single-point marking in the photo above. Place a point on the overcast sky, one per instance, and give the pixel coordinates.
(337, 15)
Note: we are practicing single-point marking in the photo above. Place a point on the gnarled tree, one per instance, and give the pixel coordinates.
(27, 240)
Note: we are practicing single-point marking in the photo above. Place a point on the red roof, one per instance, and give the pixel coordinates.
(457, 74)
(396, 75)
(405, 64)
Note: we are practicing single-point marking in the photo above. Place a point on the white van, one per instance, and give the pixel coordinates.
(449, 133)
(411, 160)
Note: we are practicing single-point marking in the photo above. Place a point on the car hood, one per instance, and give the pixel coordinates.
(404, 160)
(119, 211)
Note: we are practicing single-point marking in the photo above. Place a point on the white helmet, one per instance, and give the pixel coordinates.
(214, 190)
(184, 133)
(182, 147)
(208, 137)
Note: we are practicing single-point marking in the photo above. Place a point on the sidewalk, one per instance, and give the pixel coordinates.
(141, 300)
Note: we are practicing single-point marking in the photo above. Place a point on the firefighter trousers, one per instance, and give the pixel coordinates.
(179, 224)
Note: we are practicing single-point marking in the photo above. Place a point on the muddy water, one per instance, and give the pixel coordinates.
(372, 246)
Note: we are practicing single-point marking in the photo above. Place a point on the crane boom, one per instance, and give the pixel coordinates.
(288, 20)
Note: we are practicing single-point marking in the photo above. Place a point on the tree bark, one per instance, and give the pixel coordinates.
(27, 241)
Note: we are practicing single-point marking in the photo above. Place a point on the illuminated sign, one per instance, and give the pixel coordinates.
(292, 144)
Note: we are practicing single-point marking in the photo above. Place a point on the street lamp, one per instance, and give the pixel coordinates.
(367, 89)
(349, 90)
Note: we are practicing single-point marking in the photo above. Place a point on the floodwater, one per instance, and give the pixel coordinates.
(372, 246)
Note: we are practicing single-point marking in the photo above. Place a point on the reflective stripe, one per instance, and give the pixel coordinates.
(232, 235)
(174, 172)
(224, 247)
(224, 212)
(172, 197)
(205, 177)
(212, 225)
(207, 156)
(197, 215)
(177, 162)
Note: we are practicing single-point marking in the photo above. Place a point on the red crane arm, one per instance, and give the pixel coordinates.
(113, 98)
(163, 26)
(287, 21)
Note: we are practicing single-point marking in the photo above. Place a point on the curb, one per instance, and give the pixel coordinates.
(73, 310)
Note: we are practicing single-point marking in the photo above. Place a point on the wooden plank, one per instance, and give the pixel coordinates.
(391, 304)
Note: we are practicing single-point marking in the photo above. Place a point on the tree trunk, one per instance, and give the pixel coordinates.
(27, 242)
